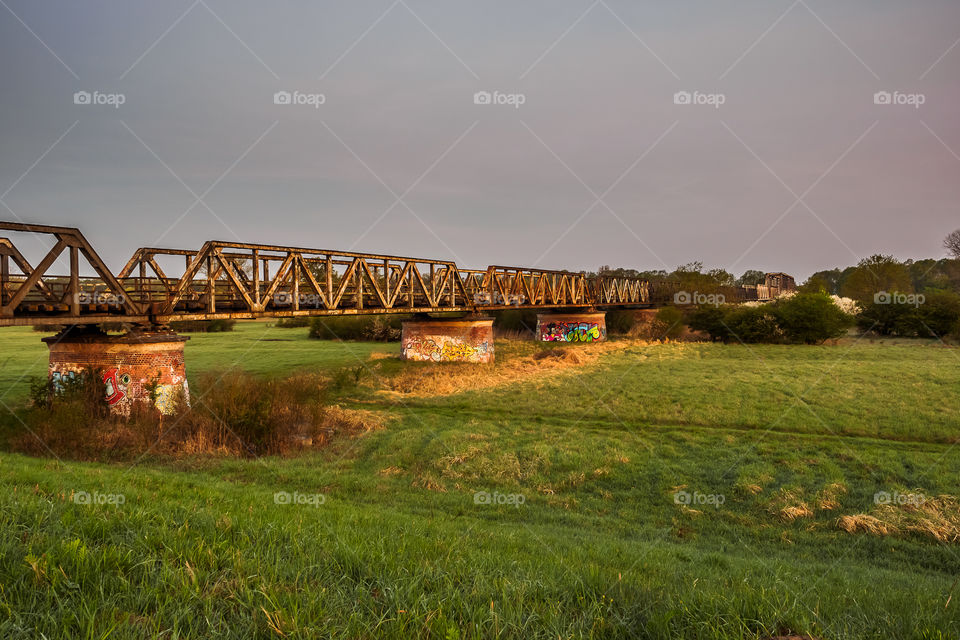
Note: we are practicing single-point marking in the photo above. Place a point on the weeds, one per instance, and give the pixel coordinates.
(235, 414)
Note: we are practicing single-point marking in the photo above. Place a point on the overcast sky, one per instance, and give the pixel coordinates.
(788, 162)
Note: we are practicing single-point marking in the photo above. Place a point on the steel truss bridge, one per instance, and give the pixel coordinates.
(245, 281)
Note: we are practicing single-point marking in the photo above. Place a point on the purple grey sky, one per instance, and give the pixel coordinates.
(797, 170)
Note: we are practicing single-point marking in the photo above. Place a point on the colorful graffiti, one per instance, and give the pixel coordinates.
(115, 385)
(168, 397)
(571, 332)
(61, 379)
(445, 350)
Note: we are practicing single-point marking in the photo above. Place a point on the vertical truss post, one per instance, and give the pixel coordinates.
(4, 277)
(386, 279)
(75, 281)
(359, 276)
(295, 287)
(329, 273)
(211, 287)
(256, 277)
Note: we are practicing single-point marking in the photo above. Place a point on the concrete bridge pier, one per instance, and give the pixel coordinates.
(138, 368)
(448, 340)
(588, 326)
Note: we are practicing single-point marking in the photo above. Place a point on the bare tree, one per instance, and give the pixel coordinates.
(952, 243)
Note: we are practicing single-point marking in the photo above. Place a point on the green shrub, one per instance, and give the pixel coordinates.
(810, 318)
(888, 319)
(516, 322)
(754, 324)
(668, 323)
(620, 321)
(294, 322)
(712, 321)
(377, 328)
(234, 413)
(940, 314)
(203, 326)
(935, 315)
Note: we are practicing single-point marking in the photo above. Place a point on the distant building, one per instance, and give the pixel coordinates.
(773, 285)
(781, 281)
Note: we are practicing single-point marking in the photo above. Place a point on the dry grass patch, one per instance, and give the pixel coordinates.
(789, 505)
(448, 378)
(829, 497)
(391, 471)
(937, 517)
(428, 482)
(863, 522)
(353, 422)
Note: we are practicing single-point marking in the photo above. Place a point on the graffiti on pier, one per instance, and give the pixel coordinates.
(166, 400)
(445, 350)
(59, 380)
(115, 385)
(167, 397)
(571, 332)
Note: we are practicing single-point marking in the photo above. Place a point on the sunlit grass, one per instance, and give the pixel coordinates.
(792, 438)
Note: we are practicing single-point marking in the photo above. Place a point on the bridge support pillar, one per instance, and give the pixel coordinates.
(571, 327)
(455, 340)
(138, 368)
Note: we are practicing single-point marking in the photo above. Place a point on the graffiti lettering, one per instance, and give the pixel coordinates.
(115, 385)
(59, 379)
(571, 332)
(445, 351)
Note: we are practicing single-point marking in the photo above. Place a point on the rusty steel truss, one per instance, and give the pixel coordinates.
(243, 281)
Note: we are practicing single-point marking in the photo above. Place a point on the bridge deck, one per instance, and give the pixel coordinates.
(237, 280)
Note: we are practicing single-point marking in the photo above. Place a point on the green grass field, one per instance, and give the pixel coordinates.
(589, 533)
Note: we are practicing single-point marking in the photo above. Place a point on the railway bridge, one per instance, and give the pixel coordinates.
(227, 280)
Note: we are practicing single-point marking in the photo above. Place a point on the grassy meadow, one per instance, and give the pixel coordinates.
(625, 490)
